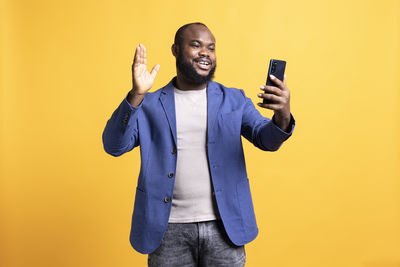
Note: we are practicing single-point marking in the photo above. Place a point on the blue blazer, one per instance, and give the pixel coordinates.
(152, 125)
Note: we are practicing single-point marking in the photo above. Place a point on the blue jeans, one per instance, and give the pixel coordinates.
(197, 244)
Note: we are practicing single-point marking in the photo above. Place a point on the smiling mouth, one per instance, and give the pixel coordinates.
(203, 64)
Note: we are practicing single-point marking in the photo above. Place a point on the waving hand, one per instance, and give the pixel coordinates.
(142, 79)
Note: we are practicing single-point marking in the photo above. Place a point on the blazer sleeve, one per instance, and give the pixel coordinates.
(262, 131)
(121, 132)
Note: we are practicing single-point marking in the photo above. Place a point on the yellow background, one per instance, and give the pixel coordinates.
(329, 198)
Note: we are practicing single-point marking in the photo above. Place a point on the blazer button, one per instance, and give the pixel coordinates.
(126, 117)
(166, 199)
(171, 174)
(173, 151)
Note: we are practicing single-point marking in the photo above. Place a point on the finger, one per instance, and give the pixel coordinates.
(136, 57)
(139, 58)
(144, 55)
(269, 106)
(140, 54)
(281, 85)
(154, 71)
(276, 81)
(271, 90)
(270, 97)
(284, 80)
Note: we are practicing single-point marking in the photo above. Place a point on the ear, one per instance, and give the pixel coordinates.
(174, 49)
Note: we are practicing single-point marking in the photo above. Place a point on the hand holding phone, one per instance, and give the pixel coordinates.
(276, 68)
(276, 95)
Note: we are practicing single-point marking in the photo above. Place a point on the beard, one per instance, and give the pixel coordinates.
(187, 69)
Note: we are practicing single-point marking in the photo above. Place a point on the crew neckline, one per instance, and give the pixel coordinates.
(176, 90)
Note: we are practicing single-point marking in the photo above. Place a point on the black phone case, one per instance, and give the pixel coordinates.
(276, 68)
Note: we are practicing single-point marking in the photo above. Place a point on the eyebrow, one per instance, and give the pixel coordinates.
(198, 41)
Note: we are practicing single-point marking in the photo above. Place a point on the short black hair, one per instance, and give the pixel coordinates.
(179, 32)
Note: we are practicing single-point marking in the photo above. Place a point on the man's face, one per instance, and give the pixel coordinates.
(196, 59)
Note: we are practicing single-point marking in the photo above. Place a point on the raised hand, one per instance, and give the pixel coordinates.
(142, 79)
(279, 98)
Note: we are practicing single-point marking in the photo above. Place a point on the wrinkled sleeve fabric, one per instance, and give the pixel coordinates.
(121, 132)
(261, 131)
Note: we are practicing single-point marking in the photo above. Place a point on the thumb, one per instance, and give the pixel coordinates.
(154, 71)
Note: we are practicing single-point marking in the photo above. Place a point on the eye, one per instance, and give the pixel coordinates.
(211, 48)
(195, 45)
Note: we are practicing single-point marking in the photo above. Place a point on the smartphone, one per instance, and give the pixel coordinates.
(276, 68)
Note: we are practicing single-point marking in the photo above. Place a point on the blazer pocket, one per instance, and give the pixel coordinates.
(246, 205)
(139, 212)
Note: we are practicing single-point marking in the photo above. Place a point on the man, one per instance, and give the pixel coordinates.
(193, 205)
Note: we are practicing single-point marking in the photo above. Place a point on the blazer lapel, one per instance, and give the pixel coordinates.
(214, 100)
(167, 99)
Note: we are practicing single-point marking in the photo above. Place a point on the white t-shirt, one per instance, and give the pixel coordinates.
(192, 199)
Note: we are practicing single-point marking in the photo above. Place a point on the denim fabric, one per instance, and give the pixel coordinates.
(197, 244)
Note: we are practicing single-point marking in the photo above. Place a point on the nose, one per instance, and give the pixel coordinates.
(204, 52)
